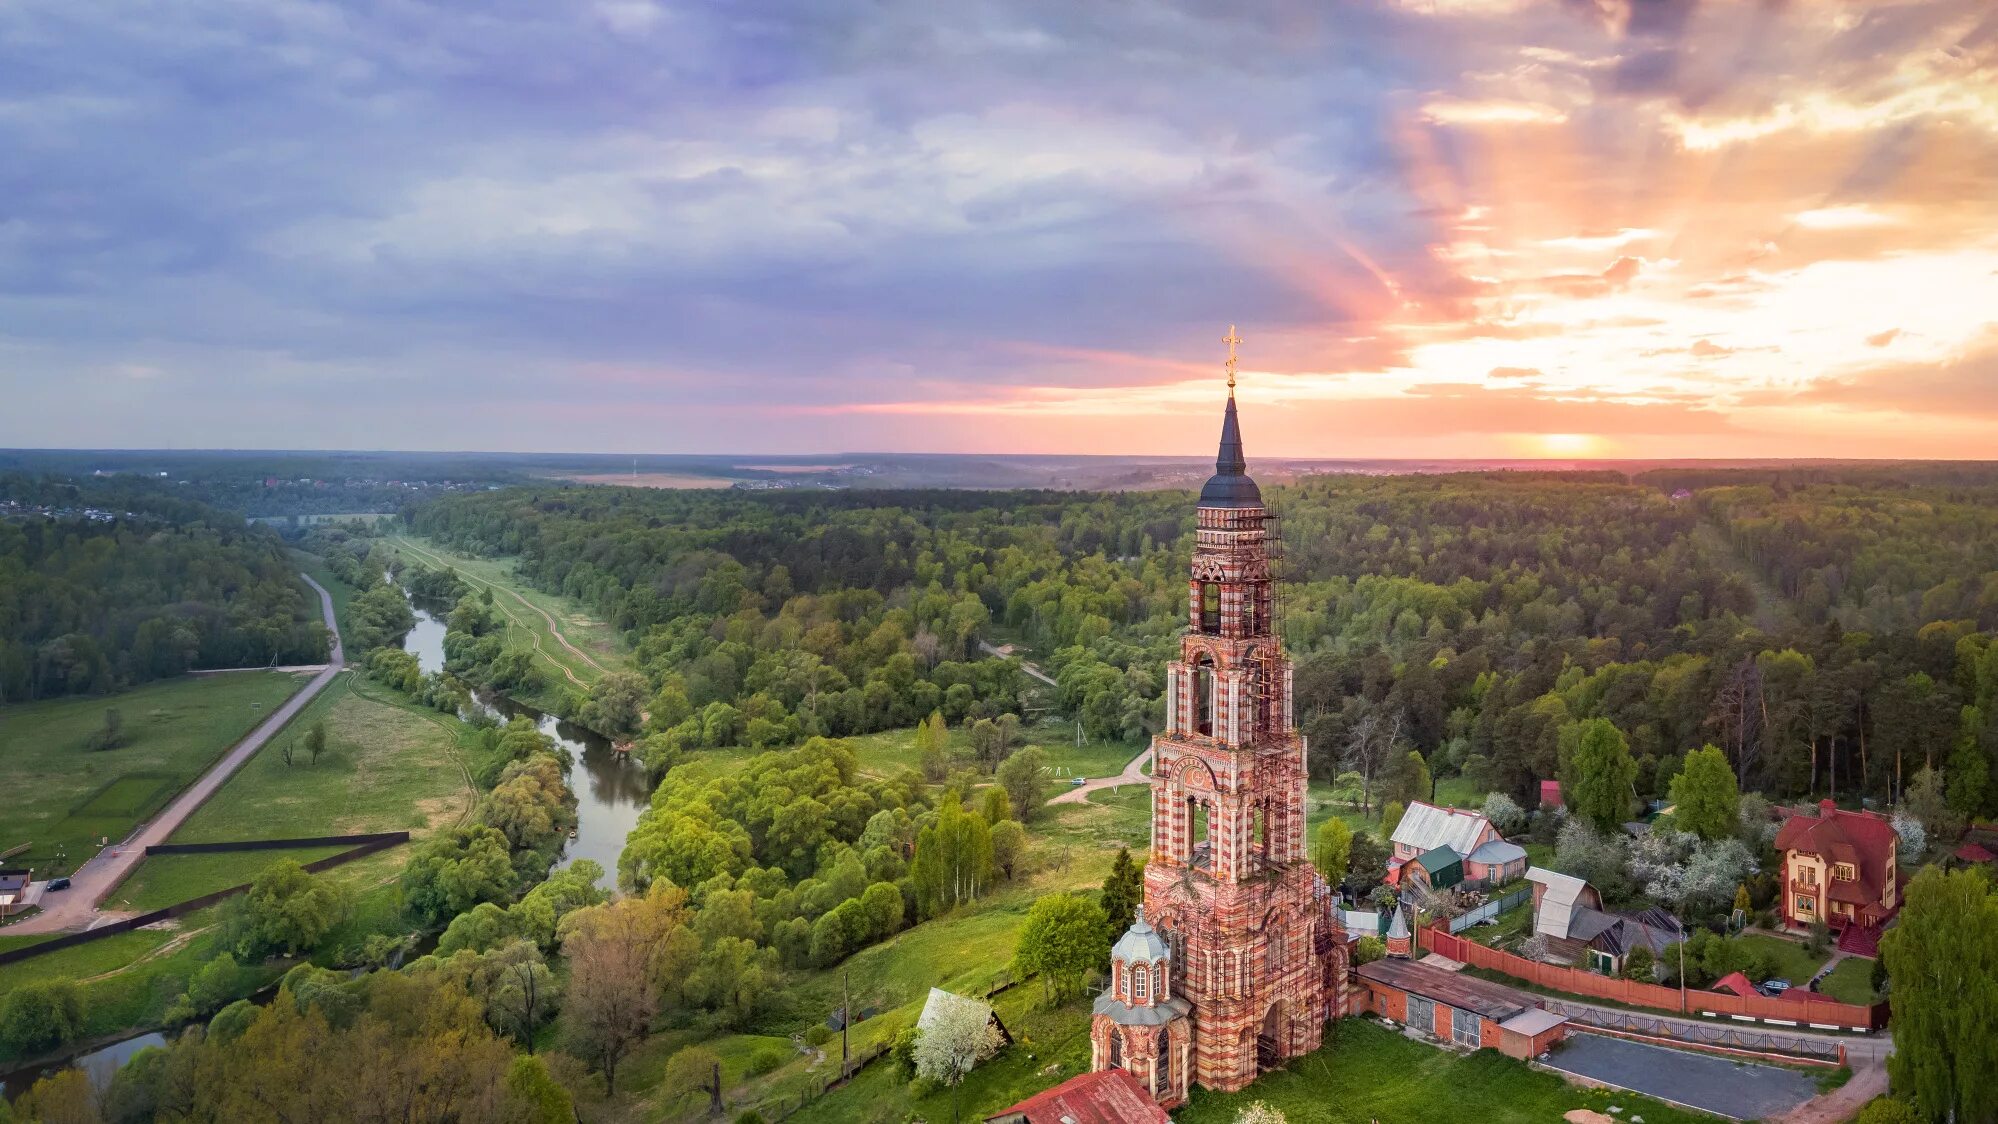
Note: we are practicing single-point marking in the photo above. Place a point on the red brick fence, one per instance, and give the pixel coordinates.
(1795, 1009)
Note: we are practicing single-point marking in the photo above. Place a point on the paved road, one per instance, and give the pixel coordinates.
(1860, 1049)
(1741, 1090)
(76, 908)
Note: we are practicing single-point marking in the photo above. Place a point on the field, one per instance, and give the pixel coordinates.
(68, 796)
(389, 764)
(1367, 1073)
(572, 648)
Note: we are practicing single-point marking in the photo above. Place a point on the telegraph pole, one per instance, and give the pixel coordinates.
(845, 1017)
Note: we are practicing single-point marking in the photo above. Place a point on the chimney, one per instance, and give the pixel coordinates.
(1826, 808)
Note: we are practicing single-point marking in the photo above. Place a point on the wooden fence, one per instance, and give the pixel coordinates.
(1805, 1009)
(362, 845)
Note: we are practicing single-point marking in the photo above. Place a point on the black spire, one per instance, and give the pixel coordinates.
(1231, 486)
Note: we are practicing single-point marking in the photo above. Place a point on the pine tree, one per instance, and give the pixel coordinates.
(1122, 892)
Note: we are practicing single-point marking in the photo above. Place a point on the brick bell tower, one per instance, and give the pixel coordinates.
(1255, 947)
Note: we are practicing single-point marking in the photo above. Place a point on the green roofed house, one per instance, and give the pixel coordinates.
(1438, 868)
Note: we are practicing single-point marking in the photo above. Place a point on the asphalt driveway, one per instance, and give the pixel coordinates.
(1708, 1082)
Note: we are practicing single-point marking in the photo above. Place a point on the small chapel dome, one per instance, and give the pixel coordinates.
(1140, 942)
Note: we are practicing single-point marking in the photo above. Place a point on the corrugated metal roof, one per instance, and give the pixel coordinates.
(1425, 827)
(1557, 902)
(1107, 1096)
(1532, 1021)
(1466, 993)
(1498, 852)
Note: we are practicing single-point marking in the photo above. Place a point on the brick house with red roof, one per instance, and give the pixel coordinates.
(1841, 868)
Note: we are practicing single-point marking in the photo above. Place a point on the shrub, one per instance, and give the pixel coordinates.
(766, 1059)
(818, 1034)
(1888, 1110)
(41, 1015)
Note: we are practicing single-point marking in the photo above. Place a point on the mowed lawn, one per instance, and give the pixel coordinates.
(388, 765)
(1368, 1073)
(64, 796)
(1850, 982)
(1793, 961)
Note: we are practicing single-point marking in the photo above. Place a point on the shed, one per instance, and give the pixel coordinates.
(1555, 896)
(1460, 1009)
(1734, 983)
(1550, 794)
(1438, 868)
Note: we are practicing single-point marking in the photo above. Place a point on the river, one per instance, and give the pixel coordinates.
(611, 789)
(99, 1063)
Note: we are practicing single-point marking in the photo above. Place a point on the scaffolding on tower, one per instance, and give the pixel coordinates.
(1268, 657)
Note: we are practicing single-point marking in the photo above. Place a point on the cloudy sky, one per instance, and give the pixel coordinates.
(1445, 227)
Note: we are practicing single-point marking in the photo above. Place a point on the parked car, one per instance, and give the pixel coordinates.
(1078, 782)
(1774, 988)
(56, 884)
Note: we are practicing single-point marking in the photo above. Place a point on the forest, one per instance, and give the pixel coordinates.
(96, 605)
(1832, 634)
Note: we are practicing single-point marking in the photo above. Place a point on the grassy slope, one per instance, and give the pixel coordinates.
(1071, 848)
(165, 880)
(176, 729)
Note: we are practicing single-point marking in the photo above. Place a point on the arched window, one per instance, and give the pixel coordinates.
(1203, 695)
(1124, 982)
(1159, 977)
(1210, 608)
(1141, 984)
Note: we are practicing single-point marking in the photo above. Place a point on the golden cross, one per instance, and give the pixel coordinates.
(1231, 339)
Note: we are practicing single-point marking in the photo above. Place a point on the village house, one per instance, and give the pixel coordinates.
(1462, 1010)
(1569, 913)
(1842, 869)
(1484, 857)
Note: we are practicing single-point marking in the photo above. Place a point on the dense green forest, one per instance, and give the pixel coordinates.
(93, 605)
(1831, 634)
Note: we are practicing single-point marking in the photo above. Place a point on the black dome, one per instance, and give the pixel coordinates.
(1231, 485)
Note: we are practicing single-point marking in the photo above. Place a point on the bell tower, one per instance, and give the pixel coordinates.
(1255, 949)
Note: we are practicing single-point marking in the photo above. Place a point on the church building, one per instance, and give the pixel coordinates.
(1237, 958)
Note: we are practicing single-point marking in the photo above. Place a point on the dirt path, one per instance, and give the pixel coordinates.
(1134, 773)
(76, 908)
(1842, 1103)
(554, 627)
(986, 647)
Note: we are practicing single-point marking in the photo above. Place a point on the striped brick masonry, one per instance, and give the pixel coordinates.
(1254, 945)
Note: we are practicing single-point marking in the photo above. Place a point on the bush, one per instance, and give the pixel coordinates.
(1368, 949)
(41, 1015)
(766, 1059)
(818, 1034)
(1888, 1110)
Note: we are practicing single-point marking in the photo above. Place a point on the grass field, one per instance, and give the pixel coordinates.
(68, 796)
(164, 880)
(388, 765)
(1850, 982)
(1794, 962)
(524, 606)
(1367, 1073)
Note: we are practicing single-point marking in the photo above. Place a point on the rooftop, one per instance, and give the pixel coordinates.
(1466, 993)
(1108, 1096)
(1426, 827)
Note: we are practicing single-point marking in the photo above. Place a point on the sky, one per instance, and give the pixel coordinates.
(1477, 228)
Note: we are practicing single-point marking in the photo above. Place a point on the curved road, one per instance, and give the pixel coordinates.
(76, 908)
(1134, 773)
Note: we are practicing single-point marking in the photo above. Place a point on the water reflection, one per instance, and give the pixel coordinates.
(611, 790)
(100, 1064)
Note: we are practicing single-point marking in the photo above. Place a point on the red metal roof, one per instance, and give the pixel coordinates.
(1972, 853)
(1550, 794)
(1735, 984)
(1108, 1096)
